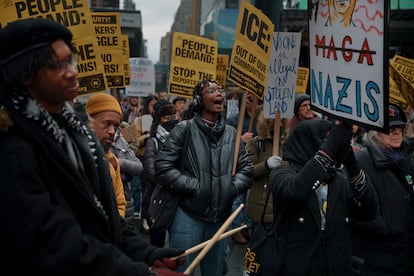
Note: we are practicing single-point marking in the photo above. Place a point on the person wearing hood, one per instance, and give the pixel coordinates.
(314, 198)
(386, 244)
(58, 206)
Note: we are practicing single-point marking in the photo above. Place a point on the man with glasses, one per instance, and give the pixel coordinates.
(58, 209)
(196, 164)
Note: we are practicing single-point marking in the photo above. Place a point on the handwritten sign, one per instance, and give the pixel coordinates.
(282, 75)
(348, 64)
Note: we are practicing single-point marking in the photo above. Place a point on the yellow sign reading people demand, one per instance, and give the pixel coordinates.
(251, 50)
(193, 59)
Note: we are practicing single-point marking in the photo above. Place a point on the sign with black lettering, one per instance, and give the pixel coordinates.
(221, 69)
(193, 59)
(74, 14)
(108, 32)
(142, 82)
(282, 75)
(348, 76)
(251, 50)
(125, 55)
(402, 74)
(302, 79)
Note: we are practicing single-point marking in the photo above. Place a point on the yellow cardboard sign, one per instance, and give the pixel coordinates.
(302, 80)
(222, 66)
(193, 59)
(402, 73)
(77, 17)
(251, 50)
(395, 95)
(125, 54)
(108, 32)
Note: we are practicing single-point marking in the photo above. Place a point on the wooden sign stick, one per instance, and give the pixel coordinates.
(212, 241)
(201, 245)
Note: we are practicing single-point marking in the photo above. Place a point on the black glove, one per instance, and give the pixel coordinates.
(339, 137)
(162, 253)
(349, 161)
(165, 272)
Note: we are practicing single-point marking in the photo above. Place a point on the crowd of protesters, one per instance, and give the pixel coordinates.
(77, 184)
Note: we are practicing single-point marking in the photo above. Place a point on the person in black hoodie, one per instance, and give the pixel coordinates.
(386, 244)
(314, 199)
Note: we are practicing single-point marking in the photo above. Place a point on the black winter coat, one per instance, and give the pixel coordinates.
(51, 219)
(206, 185)
(295, 201)
(387, 242)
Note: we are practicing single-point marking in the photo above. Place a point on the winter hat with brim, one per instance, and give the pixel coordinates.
(23, 36)
(101, 102)
(299, 99)
(396, 116)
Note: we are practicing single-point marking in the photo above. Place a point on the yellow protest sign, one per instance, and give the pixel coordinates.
(402, 74)
(125, 55)
(77, 17)
(302, 80)
(108, 32)
(193, 59)
(251, 50)
(395, 95)
(222, 66)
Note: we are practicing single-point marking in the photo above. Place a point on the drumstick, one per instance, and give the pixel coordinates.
(201, 245)
(212, 241)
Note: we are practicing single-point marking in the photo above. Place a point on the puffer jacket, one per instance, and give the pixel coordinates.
(205, 185)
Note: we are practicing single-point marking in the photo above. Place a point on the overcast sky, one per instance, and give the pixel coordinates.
(157, 18)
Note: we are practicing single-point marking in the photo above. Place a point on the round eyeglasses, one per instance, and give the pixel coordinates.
(61, 66)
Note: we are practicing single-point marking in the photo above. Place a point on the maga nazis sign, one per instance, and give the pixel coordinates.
(348, 74)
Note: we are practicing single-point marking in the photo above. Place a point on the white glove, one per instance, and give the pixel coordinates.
(273, 162)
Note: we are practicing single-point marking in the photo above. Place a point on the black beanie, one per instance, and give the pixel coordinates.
(299, 98)
(23, 36)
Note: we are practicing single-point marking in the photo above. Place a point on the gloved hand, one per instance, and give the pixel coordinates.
(339, 137)
(165, 272)
(349, 161)
(161, 254)
(273, 162)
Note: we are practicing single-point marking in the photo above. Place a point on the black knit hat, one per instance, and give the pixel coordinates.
(299, 98)
(23, 36)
